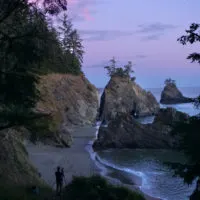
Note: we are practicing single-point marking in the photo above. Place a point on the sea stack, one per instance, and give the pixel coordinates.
(121, 95)
(172, 95)
(126, 132)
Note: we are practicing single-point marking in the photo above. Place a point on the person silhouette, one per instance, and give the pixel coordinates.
(59, 180)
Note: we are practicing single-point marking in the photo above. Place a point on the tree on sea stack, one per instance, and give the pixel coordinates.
(126, 71)
(169, 81)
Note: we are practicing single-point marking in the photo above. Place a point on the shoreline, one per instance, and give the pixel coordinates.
(79, 160)
(75, 160)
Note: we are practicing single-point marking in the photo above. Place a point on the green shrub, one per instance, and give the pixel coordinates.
(23, 193)
(97, 188)
(44, 127)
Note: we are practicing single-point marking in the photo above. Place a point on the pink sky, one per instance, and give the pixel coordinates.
(143, 31)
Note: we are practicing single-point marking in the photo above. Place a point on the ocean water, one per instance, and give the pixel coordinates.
(157, 178)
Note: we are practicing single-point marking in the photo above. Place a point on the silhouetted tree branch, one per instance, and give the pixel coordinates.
(192, 36)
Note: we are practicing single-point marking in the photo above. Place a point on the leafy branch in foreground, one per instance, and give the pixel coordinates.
(189, 143)
(192, 36)
(188, 131)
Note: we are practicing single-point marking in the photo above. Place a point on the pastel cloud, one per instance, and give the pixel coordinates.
(155, 27)
(81, 9)
(87, 15)
(154, 31)
(99, 35)
(147, 32)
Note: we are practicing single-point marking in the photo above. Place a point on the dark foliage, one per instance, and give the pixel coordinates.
(113, 70)
(96, 187)
(29, 48)
(169, 81)
(192, 36)
(54, 6)
(71, 44)
(189, 132)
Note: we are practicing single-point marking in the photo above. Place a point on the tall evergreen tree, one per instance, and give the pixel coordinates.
(76, 48)
(65, 30)
(72, 45)
(24, 41)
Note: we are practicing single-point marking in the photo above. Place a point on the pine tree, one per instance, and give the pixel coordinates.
(25, 40)
(76, 48)
(113, 70)
(71, 44)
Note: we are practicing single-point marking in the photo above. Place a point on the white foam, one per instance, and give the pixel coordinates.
(103, 164)
(131, 171)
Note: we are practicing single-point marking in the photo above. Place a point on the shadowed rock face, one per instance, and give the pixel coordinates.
(125, 132)
(68, 101)
(171, 95)
(169, 116)
(15, 170)
(121, 95)
(74, 97)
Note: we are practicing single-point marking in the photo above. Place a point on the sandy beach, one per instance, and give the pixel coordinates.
(76, 160)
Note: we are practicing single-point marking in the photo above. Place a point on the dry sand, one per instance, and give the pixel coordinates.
(76, 161)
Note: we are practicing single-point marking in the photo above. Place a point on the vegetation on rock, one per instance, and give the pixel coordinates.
(30, 46)
(123, 95)
(169, 81)
(113, 70)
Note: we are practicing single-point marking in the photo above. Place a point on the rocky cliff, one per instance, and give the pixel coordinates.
(172, 95)
(169, 116)
(66, 101)
(125, 132)
(15, 167)
(121, 95)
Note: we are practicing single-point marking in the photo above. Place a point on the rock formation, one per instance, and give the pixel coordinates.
(125, 132)
(121, 95)
(15, 168)
(72, 96)
(169, 116)
(66, 101)
(172, 95)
